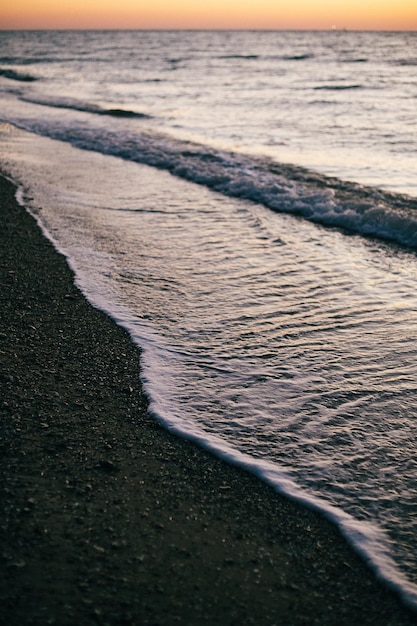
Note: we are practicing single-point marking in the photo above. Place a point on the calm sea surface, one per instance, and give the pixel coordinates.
(245, 203)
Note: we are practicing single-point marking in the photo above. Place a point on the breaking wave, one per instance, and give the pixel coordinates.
(281, 187)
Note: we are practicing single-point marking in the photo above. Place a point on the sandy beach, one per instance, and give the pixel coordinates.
(107, 518)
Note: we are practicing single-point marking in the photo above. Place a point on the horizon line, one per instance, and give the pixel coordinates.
(330, 29)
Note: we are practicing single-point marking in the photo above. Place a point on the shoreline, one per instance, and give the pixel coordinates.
(108, 518)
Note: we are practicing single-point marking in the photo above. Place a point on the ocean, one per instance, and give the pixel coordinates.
(245, 205)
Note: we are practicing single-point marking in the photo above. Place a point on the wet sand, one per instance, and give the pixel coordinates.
(107, 518)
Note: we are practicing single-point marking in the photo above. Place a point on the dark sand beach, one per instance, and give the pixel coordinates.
(106, 518)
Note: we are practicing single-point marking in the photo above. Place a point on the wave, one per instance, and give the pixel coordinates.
(75, 105)
(280, 187)
(407, 62)
(299, 57)
(354, 60)
(17, 60)
(38, 60)
(239, 56)
(13, 75)
(336, 87)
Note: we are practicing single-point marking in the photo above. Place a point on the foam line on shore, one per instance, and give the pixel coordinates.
(366, 539)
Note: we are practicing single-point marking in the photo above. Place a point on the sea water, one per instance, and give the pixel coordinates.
(245, 204)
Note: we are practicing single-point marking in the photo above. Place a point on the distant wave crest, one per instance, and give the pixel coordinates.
(75, 105)
(239, 56)
(407, 62)
(336, 87)
(14, 75)
(299, 57)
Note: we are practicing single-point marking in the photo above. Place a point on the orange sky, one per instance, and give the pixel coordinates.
(262, 14)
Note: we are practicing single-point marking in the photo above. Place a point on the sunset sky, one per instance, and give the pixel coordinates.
(262, 14)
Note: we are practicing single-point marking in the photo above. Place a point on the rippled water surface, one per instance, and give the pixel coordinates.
(342, 103)
(280, 343)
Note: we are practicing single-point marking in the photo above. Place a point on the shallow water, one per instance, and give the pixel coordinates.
(280, 343)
